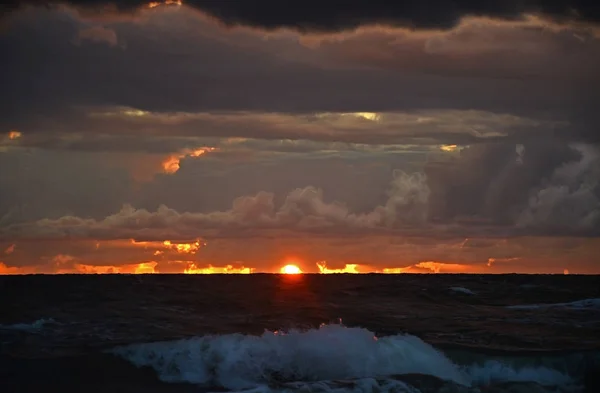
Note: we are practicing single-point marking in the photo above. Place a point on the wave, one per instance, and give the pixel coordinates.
(327, 358)
(585, 304)
(29, 327)
(464, 290)
(493, 371)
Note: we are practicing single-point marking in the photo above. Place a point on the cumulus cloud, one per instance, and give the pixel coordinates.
(303, 210)
(570, 197)
(493, 182)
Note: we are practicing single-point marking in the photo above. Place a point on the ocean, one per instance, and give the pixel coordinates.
(300, 333)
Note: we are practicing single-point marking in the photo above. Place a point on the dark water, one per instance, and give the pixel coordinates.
(191, 333)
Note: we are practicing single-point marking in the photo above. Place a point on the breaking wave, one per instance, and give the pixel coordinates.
(325, 359)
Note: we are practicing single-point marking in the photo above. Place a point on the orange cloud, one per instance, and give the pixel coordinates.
(12, 135)
(4, 269)
(155, 4)
(171, 164)
(421, 267)
(146, 267)
(229, 269)
(10, 249)
(433, 267)
(184, 248)
(65, 264)
(348, 268)
(78, 268)
(449, 148)
(139, 268)
(492, 261)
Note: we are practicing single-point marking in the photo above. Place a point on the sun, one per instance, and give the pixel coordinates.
(291, 269)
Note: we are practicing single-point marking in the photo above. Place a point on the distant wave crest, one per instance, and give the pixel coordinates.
(585, 304)
(29, 327)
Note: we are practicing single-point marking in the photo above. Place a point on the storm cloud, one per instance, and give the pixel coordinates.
(61, 67)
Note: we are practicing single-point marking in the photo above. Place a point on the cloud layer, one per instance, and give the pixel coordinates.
(68, 63)
(272, 129)
(313, 15)
(527, 189)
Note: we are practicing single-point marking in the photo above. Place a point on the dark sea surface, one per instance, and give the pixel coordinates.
(305, 333)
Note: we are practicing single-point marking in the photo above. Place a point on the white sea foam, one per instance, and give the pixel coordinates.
(585, 304)
(318, 359)
(363, 385)
(495, 371)
(29, 327)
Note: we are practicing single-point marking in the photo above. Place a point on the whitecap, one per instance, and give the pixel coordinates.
(331, 352)
(317, 359)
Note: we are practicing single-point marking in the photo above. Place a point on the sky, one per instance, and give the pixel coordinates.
(358, 136)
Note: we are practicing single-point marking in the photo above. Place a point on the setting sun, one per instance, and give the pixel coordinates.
(291, 269)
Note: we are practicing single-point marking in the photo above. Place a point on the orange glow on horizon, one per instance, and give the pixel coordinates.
(145, 268)
(79, 268)
(64, 264)
(178, 255)
(432, 267)
(348, 268)
(290, 269)
(229, 269)
(9, 270)
(138, 268)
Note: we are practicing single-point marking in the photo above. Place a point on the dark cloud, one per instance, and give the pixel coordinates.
(569, 197)
(51, 184)
(117, 129)
(180, 62)
(334, 16)
(546, 186)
